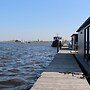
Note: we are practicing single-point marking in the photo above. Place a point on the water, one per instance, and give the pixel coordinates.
(21, 64)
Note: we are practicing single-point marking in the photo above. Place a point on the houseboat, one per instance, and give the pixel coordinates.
(83, 55)
(74, 41)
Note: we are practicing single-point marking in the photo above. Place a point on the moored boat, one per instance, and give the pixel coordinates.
(55, 43)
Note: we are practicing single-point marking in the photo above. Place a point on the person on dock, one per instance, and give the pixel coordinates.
(60, 45)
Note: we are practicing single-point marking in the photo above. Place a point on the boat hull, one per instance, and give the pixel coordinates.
(55, 43)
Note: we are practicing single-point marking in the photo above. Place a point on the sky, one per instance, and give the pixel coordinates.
(41, 19)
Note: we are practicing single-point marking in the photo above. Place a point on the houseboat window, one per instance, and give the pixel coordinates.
(89, 40)
(86, 41)
(87, 48)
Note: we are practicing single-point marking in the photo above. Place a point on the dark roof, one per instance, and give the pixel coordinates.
(73, 35)
(87, 22)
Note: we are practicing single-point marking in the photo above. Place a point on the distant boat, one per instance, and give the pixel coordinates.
(17, 41)
(28, 42)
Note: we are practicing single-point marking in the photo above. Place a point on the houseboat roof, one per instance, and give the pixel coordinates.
(73, 35)
(87, 22)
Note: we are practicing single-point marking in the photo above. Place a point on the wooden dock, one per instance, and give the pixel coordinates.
(62, 74)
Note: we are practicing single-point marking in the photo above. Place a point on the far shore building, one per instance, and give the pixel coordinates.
(84, 45)
(74, 41)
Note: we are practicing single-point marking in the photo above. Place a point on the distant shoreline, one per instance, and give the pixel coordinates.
(25, 41)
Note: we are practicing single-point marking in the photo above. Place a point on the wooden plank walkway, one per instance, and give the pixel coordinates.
(62, 74)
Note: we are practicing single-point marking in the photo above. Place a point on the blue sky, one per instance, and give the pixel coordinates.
(41, 19)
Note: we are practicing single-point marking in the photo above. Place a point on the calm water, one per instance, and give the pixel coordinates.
(21, 64)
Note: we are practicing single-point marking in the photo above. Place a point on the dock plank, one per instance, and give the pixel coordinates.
(63, 73)
(60, 81)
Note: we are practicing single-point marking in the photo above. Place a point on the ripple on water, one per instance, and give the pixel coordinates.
(22, 64)
(14, 70)
(12, 82)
